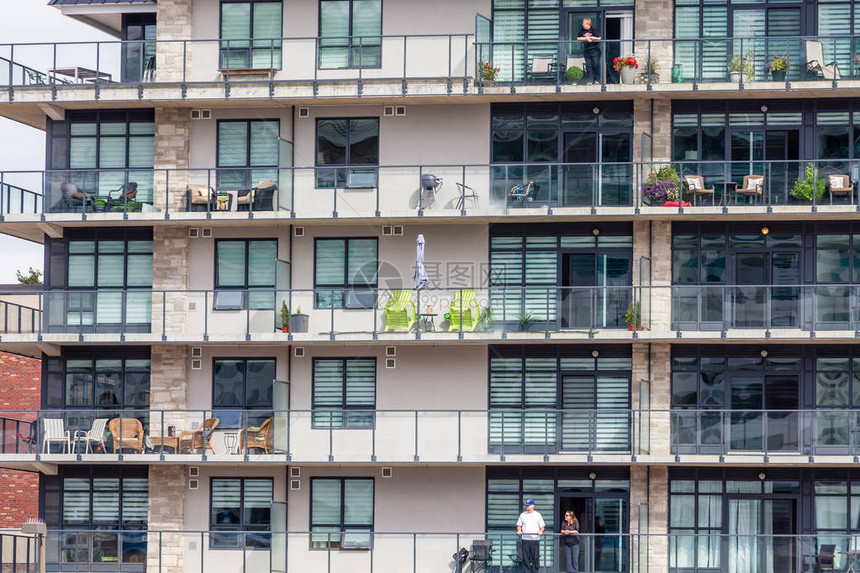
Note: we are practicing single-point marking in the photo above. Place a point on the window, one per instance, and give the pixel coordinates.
(350, 34)
(344, 392)
(245, 265)
(239, 385)
(241, 512)
(106, 281)
(250, 34)
(138, 49)
(345, 273)
(247, 152)
(341, 513)
(349, 151)
(115, 501)
(98, 379)
(101, 151)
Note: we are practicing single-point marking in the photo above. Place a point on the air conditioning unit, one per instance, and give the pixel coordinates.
(299, 351)
(193, 233)
(304, 112)
(298, 231)
(196, 351)
(206, 232)
(391, 363)
(201, 114)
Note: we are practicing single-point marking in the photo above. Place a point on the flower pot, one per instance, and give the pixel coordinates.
(299, 323)
(488, 83)
(632, 327)
(735, 77)
(285, 329)
(628, 75)
(778, 75)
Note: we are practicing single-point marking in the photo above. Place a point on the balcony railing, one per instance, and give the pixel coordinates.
(366, 550)
(442, 64)
(19, 552)
(477, 190)
(821, 431)
(366, 435)
(492, 313)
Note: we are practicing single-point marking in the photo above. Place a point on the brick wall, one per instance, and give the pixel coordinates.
(20, 382)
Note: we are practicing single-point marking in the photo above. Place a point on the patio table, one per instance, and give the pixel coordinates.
(81, 74)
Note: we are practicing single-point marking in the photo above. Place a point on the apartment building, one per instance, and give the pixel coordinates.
(639, 296)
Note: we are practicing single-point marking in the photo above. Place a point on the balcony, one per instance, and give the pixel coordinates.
(488, 191)
(533, 313)
(407, 65)
(319, 436)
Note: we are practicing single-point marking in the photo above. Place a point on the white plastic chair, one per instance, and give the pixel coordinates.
(93, 435)
(53, 431)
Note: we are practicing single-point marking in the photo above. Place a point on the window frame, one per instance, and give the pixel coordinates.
(221, 299)
(344, 407)
(242, 409)
(344, 172)
(344, 528)
(247, 168)
(275, 43)
(349, 42)
(347, 285)
(264, 539)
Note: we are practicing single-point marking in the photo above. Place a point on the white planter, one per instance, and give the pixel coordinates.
(735, 77)
(628, 75)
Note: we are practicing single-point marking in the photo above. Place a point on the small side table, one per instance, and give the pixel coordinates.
(161, 442)
(427, 322)
(231, 440)
(222, 202)
(850, 555)
(725, 185)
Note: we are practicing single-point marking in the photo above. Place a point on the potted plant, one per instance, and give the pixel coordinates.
(526, 320)
(777, 67)
(626, 68)
(489, 74)
(805, 188)
(485, 318)
(99, 204)
(650, 71)
(574, 74)
(285, 317)
(299, 321)
(741, 65)
(661, 186)
(633, 316)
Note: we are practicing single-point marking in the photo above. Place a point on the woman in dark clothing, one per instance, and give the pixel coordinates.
(591, 37)
(570, 542)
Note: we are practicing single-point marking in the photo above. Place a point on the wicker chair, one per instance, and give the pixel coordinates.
(840, 185)
(200, 438)
(127, 434)
(262, 438)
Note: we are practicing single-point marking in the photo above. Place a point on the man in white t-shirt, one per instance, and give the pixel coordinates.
(530, 526)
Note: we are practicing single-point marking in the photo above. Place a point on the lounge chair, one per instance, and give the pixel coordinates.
(400, 311)
(696, 187)
(753, 186)
(127, 434)
(200, 438)
(73, 198)
(94, 435)
(200, 198)
(125, 195)
(815, 62)
(464, 311)
(522, 193)
(840, 185)
(260, 438)
(53, 431)
(260, 198)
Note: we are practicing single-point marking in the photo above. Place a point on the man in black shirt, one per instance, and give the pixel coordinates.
(591, 36)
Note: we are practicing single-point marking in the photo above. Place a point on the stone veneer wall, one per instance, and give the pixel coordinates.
(173, 22)
(172, 150)
(653, 240)
(165, 552)
(660, 129)
(653, 21)
(170, 274)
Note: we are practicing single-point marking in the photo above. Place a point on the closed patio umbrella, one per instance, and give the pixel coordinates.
(420, 277)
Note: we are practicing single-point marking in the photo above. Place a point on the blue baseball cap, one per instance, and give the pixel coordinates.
(530, 502)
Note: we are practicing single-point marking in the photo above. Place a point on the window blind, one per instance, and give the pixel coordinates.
(230, 260)
(267, 24)
(358, 502)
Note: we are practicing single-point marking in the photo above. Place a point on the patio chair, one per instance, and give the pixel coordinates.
(840, 185)
(125, 195)
(824, 559)
(259, 438)
(464, 311)
(73, 198)
(199, 198)
(127, 434)
(400, 311)
(259, 198)
(542, 68)
(522, 193)
(95, 435)
(466, 192)
(200, 438)
(815, 62)
(752, 187)
(53, 431)
(696, 187)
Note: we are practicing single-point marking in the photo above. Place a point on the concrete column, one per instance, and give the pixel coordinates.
(172, 150)
(650, 20)
(659, 127)
(168, 390)
(173, 22)
(165, 551)
(649, 489)
(170, 274)
(653, 240)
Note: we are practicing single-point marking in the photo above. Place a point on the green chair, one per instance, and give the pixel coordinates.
(400, 311)
(464, 310)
